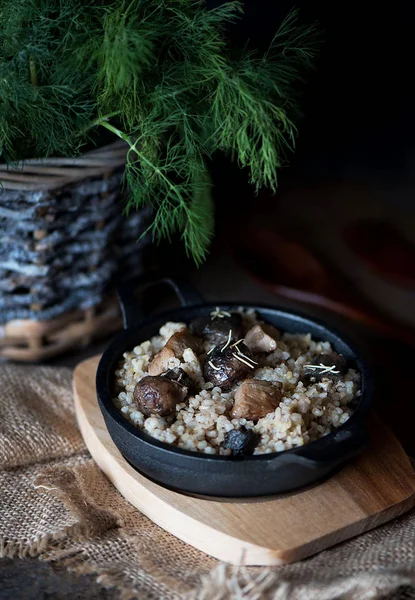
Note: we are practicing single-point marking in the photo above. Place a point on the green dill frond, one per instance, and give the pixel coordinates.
(294, 45)
(126, 50)
(45, 103)
(207, 101)
(160, 76)
(199, 228)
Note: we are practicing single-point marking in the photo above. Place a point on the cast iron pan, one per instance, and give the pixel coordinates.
(218, 475)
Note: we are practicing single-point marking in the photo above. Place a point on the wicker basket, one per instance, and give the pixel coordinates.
(63, 243)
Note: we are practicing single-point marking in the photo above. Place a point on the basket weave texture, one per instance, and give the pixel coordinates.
(63, 238)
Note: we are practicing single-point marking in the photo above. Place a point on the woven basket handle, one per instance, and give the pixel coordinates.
(132, 312)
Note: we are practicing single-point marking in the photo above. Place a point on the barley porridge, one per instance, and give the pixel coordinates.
(230, 384)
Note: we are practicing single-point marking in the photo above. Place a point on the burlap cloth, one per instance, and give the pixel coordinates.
(57, 505)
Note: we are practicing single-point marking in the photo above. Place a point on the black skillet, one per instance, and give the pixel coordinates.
(218, 475)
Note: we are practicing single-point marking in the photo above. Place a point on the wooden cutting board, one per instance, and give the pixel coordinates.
(372, 489)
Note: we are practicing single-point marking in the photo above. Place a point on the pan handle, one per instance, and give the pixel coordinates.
(348, 442)
(132, 312)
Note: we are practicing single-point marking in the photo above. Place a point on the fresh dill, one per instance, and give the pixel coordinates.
(160, 76)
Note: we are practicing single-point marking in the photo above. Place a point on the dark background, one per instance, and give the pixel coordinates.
(357, 124)
(358, 106)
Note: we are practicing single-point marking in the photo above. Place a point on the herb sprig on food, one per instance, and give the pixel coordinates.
(161, 76)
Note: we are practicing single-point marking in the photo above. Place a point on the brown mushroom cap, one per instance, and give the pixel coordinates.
(158, 395)
(182, 378)
(183, 339)
(326, 365)
(216, 327)
(224, 367)
(256, 398)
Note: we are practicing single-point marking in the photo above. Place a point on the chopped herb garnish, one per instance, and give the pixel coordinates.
(213, 366)
(242, 360)
(323, 369)
(228, 341)
(219, 314)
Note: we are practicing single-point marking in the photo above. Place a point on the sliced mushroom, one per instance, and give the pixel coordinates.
(216, 326)
(181, 377)
(160, 362)
(174, 348)
(240, 441)
(158, 395)
(327, 365)
(261, 338)
(225, 366)
(256, 398)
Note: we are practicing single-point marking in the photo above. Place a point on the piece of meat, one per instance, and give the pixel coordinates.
(174, 348)
(225, 366)
(181, 377)
(158, 395)
(327, 365)
(261, 338)
(256, 398)
(241, 441)
(216, 326)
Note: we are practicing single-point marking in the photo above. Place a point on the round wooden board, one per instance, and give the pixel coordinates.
(372, 489)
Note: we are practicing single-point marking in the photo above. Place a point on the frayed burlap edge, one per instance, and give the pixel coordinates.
(224, 582)
(231, 583)
(23, 549)
(95, 523)
(43, 544)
